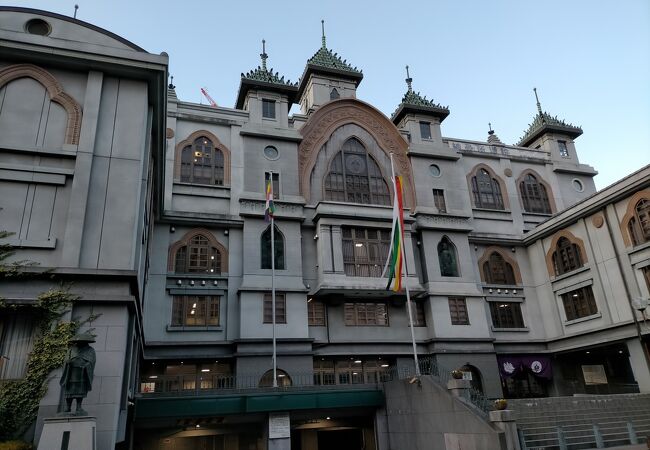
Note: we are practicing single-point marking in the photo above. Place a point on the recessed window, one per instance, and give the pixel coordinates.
(278, 246)
(566, 257)
(577, 185)
(564, 151)
(496, 270)
(202, 163)
(268, 109)
(486, 191)
(365, 251)
(366, 314)
(447, 258)
(425, 130)
(280, 308)
(458, 311)
(534, 195)
(334, 94)
(417, 313)
(439, 200)
(271, 152)
(506, 315)
(316, 313)
(276, 183)
(195, 311)
(579, 303)
(435, 170)
(198, 256)
(639, 223)
(38, 26)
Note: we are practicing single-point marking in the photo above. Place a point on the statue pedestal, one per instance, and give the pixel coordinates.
(68, 433)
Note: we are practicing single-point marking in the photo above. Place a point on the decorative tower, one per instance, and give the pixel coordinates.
(551, 134)
(419, 117)
(326, 77)
(266, 95)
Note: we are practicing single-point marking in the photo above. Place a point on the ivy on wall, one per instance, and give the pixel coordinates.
(20, 399)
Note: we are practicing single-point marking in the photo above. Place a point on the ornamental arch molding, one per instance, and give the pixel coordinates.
(553, 247)
(630, 214)
(493, 174)
(55, 92)
(506, 257)
(171, 257)
(327, 119)
(217, 145)
(540, 180)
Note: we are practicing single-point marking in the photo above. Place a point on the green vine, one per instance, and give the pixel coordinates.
(20, 399)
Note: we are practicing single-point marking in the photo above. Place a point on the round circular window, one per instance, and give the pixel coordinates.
(577, 185)
(271, 152)
(435, 170)
(38, 26)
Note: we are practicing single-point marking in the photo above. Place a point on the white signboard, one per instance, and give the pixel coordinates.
(279, 426)
(594, 374)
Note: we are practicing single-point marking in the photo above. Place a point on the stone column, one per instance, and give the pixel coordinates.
(505, 421)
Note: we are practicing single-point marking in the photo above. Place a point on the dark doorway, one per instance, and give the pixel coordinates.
(351, 439)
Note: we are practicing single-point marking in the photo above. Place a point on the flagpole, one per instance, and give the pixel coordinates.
(406, 286)
(275, 362)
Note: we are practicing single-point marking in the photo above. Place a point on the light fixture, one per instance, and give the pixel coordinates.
(202, 282)
(198, 426)
(384, 365)
(506, 291)
(587, 352)
(315, 237)
(205, 370)
(181, 362)
(310, 299)
(212, 257)
(357, 361)
(215, 282)
(194, 305)
(358, 244)
(179, 282)
(327, 418)
(172, 229)
(498, 291)
(514, 292)
(620, 352)
(281, 375)
(355, 373)
(191, 282)
(512, 249)
(153, 377)
(490, 290)
(575, 295)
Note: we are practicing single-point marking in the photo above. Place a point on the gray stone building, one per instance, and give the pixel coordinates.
(521, 275)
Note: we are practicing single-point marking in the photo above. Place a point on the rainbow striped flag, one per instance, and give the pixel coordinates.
(269, 210)
(395, 261)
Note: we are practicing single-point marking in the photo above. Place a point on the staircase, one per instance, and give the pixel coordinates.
(582, 422)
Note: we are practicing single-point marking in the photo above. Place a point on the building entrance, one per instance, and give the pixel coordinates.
(351, 439)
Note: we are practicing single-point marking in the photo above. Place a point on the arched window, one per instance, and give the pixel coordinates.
(566, 256)
(639, 224)
(354, 177)
(198, 256)
(202, 163)
(334, 94)
(486, 191)
(534, 195)
(278, 244)
(474, 375)
(497, 270)
(283, 378)
(447, 258)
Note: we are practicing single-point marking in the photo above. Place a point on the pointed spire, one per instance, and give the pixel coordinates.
(263, 55)
(409, 80)
(171, 83)
(322, 24)
(491, 132)
(539, 106)
(493, 138)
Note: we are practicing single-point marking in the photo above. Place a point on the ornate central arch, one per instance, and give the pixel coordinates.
(327, 119)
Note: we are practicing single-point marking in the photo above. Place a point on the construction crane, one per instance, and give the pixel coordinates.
(204, 91)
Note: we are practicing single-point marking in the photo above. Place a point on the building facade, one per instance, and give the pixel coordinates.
(521, 275)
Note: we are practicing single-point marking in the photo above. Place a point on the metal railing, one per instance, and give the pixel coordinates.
(227, 384)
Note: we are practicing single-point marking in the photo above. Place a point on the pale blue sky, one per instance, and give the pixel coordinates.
(589, 59)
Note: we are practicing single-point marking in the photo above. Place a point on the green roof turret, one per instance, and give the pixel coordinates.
(413, 102)
(543, 123)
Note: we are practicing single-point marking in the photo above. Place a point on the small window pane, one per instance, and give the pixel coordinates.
(195, 310)
(506, 315)
(271, 152)
(316, 313)
(579, 303)
(280, 308)
(564, 152)
(366, 314)
(425, 130)
(458, 311)
(435, 170)
(268, 109)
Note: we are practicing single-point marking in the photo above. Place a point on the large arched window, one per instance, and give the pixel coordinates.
(566, 256)
(198, 255)
(448, 258)
(534, 195)
(278, 244)
(354, 177)
(496, 270)
(202, 163)
(639, 224)
(486, 190)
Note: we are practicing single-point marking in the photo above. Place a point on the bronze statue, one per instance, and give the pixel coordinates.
(77, 378)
